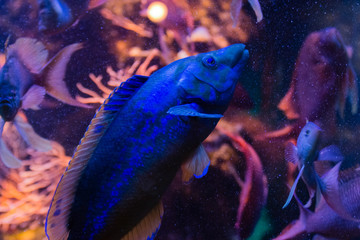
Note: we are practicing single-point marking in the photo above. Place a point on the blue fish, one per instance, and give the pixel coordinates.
(146, 130)
(56, 16)
(304, 154)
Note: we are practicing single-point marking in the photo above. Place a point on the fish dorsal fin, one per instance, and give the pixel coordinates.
(148, 226)
(287, 104)
(96, 3)
(330, 153)
(197, 165)
(54, 72)
(31, 52)
(59, 211)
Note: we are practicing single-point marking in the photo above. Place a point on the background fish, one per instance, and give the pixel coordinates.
(254, 188)
(24, 79)
(137, 141)
(304, 154)
(324, 220)
(57, 15)
(322, 80)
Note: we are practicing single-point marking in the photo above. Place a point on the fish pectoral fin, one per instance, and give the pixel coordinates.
(291, 153)
(7, 157)
(197, 165)
(148, 226)
(330, 153)
(293, 188)
(33, 97)
(30, 136)
(190, 111)
(55, 72)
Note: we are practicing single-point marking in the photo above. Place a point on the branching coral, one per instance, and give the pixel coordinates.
(26, 192)
(116, 78)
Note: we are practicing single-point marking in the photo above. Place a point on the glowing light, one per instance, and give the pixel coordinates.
(157, 12)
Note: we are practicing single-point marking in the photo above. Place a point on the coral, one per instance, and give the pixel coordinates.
(26, 192)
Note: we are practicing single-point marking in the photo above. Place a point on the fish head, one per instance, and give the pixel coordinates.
(325, 52)
(210, 78)
(54, 16)
(308, 140)
(10, 85)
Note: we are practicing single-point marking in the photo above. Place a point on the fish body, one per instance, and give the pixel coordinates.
(305, 153)
(25, 78)
(57, 15)
(27, 74)
(322, 79)
(254, 188)
(136, 143)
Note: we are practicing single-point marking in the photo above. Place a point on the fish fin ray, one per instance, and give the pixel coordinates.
(197, 165)
(291, 153)
(329, 186)
(33, 97)
(7, 157)
(124, 92)
(287, 104)
(148, 227)
(30, 136)
(96, 3)
(54, 72)
(236, 6)
(56, 223)
(190, 111)
(353, 89)
(257, 9)
(31, 52)
(330, 153)
(293, 188)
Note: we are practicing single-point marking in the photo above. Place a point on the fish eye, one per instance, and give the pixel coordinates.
(209, 62)
(307, 132)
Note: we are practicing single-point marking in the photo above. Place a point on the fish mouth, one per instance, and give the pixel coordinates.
(235, 56)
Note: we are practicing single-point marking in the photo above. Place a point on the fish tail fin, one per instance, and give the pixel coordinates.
(329, 186)
(54, 73)
(31, 52)
(298, 227)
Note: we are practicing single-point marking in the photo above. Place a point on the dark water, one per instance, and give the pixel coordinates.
(206, 208)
